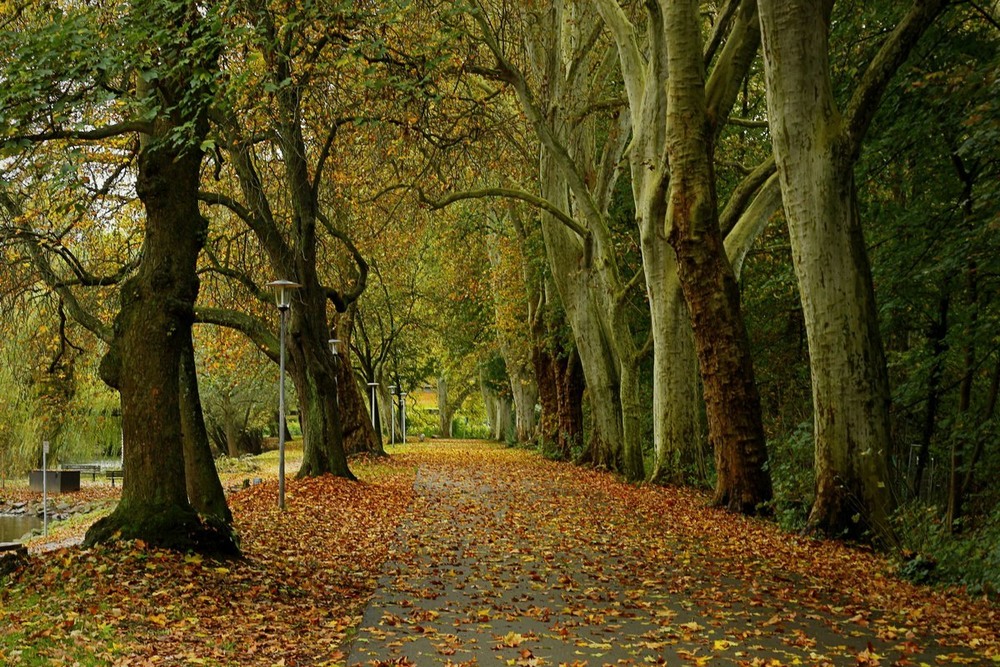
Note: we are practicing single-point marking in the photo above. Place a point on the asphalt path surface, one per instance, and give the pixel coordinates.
(506, 565)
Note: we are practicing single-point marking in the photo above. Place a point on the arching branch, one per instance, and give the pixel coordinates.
(96, 134)
(342, 301)
(534, 200)
(252, 327)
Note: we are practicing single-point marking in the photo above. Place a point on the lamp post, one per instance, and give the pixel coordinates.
(392, 412)
(283, 297)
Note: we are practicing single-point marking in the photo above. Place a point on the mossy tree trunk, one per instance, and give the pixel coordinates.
(144, 361)
(816, 145)
(316, 374)
(153, 326)
(204, 488)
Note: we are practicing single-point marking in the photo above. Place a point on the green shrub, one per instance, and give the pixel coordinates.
(791, 464)
(931, 554)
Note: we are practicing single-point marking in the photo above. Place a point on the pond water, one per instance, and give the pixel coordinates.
(14, 526)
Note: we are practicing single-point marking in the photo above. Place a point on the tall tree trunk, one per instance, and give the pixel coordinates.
(204, 489)
(153, 327)
(316, 377)
(632, 466)
(732, 403)
(570, 384)
(560, 393)
(677, 428)
(548, 398)
(445, 413)
(815, 148)
(359, 432)
(598, 357)
(144, 359)
(524, 390)
(503, 418)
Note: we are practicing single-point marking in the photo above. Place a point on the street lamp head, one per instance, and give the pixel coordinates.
(283, 292)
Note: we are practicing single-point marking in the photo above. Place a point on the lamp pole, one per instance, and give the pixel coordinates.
(334, 345)
(283, 296)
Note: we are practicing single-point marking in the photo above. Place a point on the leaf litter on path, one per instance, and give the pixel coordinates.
(506, 558)
(488, 556)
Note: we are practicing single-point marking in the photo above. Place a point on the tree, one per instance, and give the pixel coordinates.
(152, 331)
(579, 153)
(512, 316)
(816, 146)
(706, 277)
(287, 202)
(172, 49)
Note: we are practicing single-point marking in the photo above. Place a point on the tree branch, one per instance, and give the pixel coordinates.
(864, 103)
(743, 193)
(341, 302)
(537, 202)
(252, 327)
(95, 134)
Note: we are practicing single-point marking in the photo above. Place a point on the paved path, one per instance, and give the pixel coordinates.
(496, 566)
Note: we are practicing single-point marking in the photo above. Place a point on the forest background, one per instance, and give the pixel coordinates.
(557, 215)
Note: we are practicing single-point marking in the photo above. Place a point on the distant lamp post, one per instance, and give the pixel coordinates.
(392, 413)
(283, 297)
(335, 349)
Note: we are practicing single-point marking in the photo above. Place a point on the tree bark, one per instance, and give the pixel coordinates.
(204, 489)
(144, 360)
(560, 392)
(590, 288)
(598, 357)
(815, 148)
(732, 403)
(445, 413)
(644, 68)
(360, 434)
(317, 375)
(157, 305)
(524, 390)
